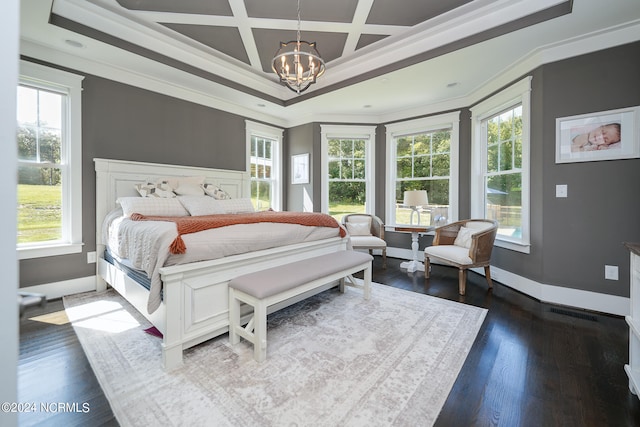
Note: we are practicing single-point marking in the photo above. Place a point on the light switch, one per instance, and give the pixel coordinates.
(561, 190)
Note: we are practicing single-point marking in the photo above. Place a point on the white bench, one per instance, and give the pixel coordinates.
(271, 286)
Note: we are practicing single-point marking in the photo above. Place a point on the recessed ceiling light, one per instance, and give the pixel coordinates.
(262, 105)
(366, 106)
(74, 43)
(453, 84)
(384, 80)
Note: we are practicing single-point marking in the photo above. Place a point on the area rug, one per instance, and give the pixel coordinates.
(332, 360)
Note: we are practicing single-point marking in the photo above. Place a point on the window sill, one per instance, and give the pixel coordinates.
(49, 250)
(513, 245)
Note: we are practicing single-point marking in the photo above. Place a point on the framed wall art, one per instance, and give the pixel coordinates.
(606, 135)
(300, 168)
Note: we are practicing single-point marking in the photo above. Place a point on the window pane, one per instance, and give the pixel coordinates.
(346, 169)
(261, 195)
(403, 147)
(506, 156)
(50, 143)
(39, 204)
(492, 158)
(359, 169)
(346, 197)
(346, 148)
(404, 168)
(359, 149)
(517, 156)
(441, 142)
(441, 165)
(422, 166)
(334, 148)
(27, 143)
(334, 170)
(504, 203)
(422, 145)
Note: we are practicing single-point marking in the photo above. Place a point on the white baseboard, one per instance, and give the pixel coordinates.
(586, 300)
(65, 287)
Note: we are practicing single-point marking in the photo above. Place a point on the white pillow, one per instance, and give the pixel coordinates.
(151, 189)
(464, 237)
(215, 192)
(197, 205)
(152, 206)
(177, 181)
(358, 228)
(187, 189)
(236, 205)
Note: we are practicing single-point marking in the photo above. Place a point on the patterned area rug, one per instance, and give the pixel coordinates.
(332, 360)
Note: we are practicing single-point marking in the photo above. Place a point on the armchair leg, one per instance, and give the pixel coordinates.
(462, 281)
(487, 274)
(427, 268)
(384, 258)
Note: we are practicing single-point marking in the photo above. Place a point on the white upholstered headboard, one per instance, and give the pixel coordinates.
(117, 178)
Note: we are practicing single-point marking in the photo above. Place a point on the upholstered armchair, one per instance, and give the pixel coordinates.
(463, 244)
(366, 232)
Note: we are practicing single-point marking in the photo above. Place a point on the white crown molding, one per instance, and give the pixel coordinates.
(155, 38)
(205, 93)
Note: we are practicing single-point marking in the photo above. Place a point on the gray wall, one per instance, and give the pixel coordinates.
(572, 238)
(300, 140)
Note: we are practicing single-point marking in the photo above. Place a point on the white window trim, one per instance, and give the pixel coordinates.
(518, 93)
(274, 133)
(368, 134)
(427, 124)
(50, 78)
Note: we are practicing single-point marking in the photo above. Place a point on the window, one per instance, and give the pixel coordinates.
(500, 164)
(348, 172)
(49, 162)
(422, 154)
(264, 164)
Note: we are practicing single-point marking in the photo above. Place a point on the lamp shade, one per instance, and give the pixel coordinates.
(415, 198)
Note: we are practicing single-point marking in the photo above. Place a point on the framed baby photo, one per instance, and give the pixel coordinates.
(606, 135)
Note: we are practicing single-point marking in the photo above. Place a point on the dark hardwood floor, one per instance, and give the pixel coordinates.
(532, 364)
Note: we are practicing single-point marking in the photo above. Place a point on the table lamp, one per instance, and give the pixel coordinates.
(415, 199)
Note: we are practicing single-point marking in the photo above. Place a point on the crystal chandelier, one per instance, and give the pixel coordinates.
(298, 63)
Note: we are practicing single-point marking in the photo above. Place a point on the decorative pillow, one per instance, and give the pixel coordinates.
(187, 189)
(151, 189)
(464, 237)
(177, 181)
(236, 205)
(152, 206)
(197, 205)
(358, 228)
(215, 192)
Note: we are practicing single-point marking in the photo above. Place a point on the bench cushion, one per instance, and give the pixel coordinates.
(272, 281)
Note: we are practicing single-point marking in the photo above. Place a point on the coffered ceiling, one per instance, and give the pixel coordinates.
(384, 57)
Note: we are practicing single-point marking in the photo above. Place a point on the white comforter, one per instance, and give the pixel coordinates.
(145, 244)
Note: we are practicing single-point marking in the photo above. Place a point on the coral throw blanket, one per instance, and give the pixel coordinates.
(193, 224)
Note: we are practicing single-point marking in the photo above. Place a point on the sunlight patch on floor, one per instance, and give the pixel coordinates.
(103, 316)
(55, 318)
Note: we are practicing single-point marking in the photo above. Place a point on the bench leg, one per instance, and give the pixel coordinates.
(234, 318)
(260, 332)
(367, 282)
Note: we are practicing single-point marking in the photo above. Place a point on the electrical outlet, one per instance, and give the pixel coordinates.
(611, 272)
(561, 190)
(91, 257)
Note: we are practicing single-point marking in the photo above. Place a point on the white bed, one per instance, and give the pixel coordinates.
(195, 296)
